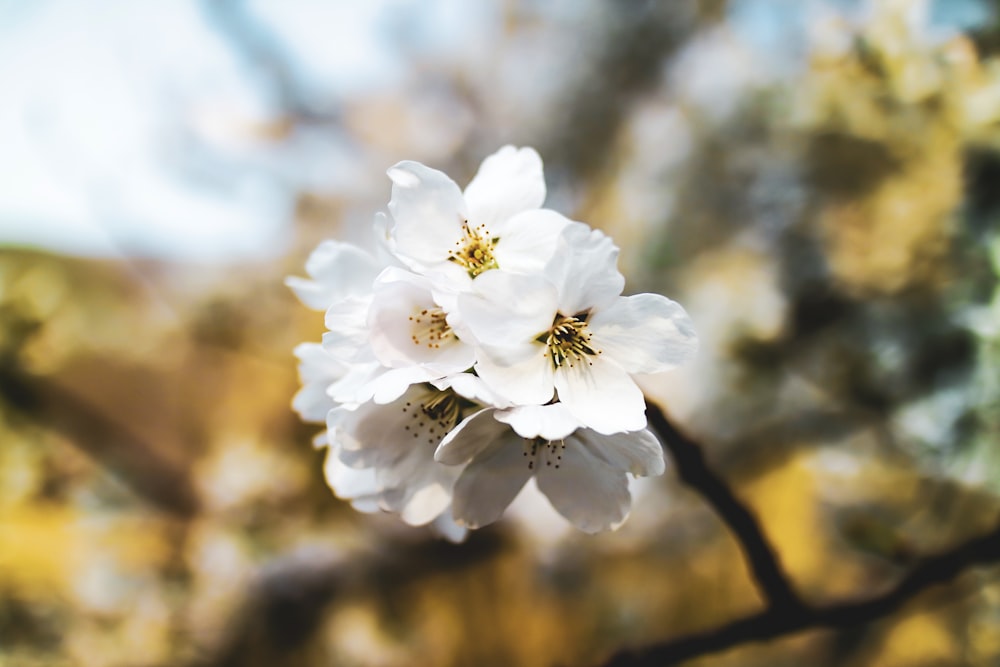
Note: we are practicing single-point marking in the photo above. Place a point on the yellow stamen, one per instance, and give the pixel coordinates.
(430, 328)
(474, 251)
(568, 341)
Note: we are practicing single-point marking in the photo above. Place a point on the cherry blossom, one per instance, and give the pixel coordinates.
(485, 344)
(584, 475)
(567, 335)
(497, 223)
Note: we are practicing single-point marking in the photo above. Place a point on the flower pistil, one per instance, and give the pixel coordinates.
(474, 251)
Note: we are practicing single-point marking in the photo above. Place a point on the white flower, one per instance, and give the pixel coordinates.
(394, 336)
(408, 327)
(361, 487)
(338, 271)
(438, 231)
(397, 441)
(530, 302)
(320, 374)
(568, 335)
(584, 475)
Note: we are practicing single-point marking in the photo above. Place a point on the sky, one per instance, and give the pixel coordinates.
(144, 128)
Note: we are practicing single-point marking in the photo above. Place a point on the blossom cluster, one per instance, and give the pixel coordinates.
(485, 343)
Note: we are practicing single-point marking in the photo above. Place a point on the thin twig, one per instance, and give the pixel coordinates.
(771, 580)
(781, 619)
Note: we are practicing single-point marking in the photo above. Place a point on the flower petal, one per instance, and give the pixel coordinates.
(471, 387)
(506, 309)
(508, 182)
(585, 270)
(489, 484)
(354, 388)
(346, 338)
(601, 395)
(347, 482)
(530, 240)
(428, 211)
(469, 438)
(339, 270)
(425, 504)
(446, 527)
(317, 370)
(593, 495)
(638, 452)
(549, 422)
(388, 385)
(522, 376)
(645, 333)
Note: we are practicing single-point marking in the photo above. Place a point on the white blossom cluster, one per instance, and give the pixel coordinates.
(486, 344)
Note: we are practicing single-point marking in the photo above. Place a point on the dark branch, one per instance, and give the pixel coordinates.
(771, 580)
(149, 470)
(784, 618)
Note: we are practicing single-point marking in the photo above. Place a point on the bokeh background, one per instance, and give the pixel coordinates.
(817, 182)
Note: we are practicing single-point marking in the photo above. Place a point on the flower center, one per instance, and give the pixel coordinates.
(568, 341)
(430, 327)
(474, 251)
(433, 416)
(539, 451)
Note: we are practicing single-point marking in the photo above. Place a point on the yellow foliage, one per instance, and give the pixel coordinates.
(916, 640)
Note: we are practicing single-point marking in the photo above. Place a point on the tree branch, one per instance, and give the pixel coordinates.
(771, 580)
(785, 614)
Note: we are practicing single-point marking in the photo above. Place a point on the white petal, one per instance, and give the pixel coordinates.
(529, 241)
(549, 422)
(339, 270)
(312, 294)
(470, 437)
(311, 403)
(416, 486)
(645, 333)
(585, 270)
(601, 395)
(414, 470)
(522, 378)
(425, 505)
(446, 527)
(367, 504)
(316, 364)
(347, 336)
(353, 388)
(317, 370)
(490, 483)
(508, 309)
(383, 434)
(508, 182)
(639, 452)
(342, 266)
(347, 482)
(471, 387)
(389, 385)
(590, 493)
(428, 211)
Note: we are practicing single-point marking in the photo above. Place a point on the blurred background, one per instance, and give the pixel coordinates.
(817, 182)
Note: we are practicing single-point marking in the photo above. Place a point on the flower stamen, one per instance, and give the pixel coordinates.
(538, 451)
(430, 328)
(568, 341)
(474, 251)
(434, 416)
